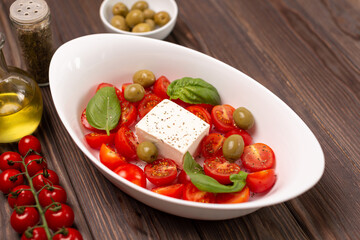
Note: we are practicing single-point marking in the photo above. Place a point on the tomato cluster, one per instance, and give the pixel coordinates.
(33, 191)
(118, 150)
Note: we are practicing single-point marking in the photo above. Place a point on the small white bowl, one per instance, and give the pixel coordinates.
(156, 5)
(77, 68)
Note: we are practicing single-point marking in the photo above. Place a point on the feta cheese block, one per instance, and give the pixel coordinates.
(173, 130)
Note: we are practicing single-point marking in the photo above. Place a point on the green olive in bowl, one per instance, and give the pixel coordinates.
(243, 118)
(134, 17)
(134, 92)
(161, 18)
(147, 151)
(233, 147)
(144, 77)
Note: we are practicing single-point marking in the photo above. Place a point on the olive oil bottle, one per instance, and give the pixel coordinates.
(21, 103)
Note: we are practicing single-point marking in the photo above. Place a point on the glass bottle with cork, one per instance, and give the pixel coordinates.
(31, 20)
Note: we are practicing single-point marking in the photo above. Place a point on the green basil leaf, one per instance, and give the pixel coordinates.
(208, 184)
(103, 110)
(194, 91)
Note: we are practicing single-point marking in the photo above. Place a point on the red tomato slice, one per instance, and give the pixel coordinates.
(181, 103)
(110, 158)
(238, 197)
(147, 103)
(208, 107)
(161, 172)
(211, 145)
(125, 143)
(220, 169)
(222, 116)
(101, 85)
(192, 193)
(86, 124)
(160, 87)
(95, 140)
(175, 190)
(128, 114)
(261, 181)
(201, 113)
(244, 134)
(132, 173)
(183, 177)
(257, 157)
(123, 87)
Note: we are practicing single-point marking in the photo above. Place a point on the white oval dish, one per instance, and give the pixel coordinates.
(169, 6)
(78, 67)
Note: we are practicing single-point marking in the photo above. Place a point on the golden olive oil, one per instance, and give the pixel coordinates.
(20, 110)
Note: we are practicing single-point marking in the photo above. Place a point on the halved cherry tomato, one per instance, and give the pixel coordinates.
(23, 218)
(10, 160)
(161, 172)
(160, 87)
(128, 114)
(8, 180)
(238, 197)
(183, 177)
(20, 196)
(117, 91)
(124, 86)
(192, 193)
(95, 140)
(211, 145)
(220, 169)
(147, 103)
(201, 113)
(125, 143)
(132, 173)
(208, 107)
(175, 190)
(181, 103)
(45, 176)
(222, 116)
(86, 124)
(261, 181)
(29, 142)
(257, 157)
(110, 158)
(244, 134)
(34, 164)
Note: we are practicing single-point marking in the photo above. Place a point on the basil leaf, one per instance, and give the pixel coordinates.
(208, 184)
(103, 110)
(194, 91)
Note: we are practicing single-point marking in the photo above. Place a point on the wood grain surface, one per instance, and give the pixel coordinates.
(306, 52)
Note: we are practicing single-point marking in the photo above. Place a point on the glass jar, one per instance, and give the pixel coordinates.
(21, 103)
(31, 20)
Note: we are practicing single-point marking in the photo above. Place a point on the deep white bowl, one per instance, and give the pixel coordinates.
(156, 5)
(77, 68)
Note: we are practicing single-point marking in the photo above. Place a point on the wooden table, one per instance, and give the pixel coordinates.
(306, 52)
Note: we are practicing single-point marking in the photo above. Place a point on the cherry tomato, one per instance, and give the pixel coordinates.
(222, 116)
(175, 190)
(95, 140)
(21, 196)
(201, 113)
(160, 87)
(68, 234)
(183, 177)
(161, 172)
(10, 160)
(208, 107)
(110, 158)
(124, 86)
(86, 124)
(220, 169)
(34, 234)
(147, 103)
(58, 216)
(29, 142)
(238, 197)
(244, 134)
(51, 194)
(211, 145)
(34, 164)
(257, 157)
(261, 181)
(192, 193)
(181, 103)
(132, 173)
(24, 217)
(117, 91)
(128, 114)
(8, 180)
(125, 143)
(43, 177)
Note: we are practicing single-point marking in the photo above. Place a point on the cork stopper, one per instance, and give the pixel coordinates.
(28, 11)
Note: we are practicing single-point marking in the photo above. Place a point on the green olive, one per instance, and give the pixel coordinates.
(141, 27)
(161, 18)
(134, 17)
(151, 23)
(233, 147)
(144, 77)
(119, 22)
(147, 151)
(134, 92)
(120, 9)
(141, 5)
(243, 118)
(148, 13)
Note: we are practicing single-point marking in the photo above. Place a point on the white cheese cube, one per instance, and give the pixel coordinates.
(173, 130)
